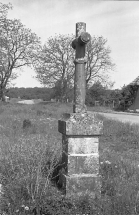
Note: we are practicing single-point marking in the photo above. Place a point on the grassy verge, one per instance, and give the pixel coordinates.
(30, 147)
(100, 109)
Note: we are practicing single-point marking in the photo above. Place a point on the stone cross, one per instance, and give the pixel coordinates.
(79, 173)
(79, 44)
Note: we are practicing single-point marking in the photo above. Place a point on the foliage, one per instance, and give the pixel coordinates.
(55, 63)
(96, 93)
(99, 62)
(103, 95)
(3, 11)
(31, 93)
(127, 97)
(114, 96)
(69, 92)
(18, 47)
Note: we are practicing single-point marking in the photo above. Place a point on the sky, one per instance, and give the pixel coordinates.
(117, 21)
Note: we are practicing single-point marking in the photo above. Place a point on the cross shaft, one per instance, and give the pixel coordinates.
(79, 44)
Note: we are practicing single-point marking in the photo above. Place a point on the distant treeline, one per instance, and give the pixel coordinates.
(30, 93)
(95, 95)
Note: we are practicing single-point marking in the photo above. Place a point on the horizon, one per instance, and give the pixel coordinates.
(117, 21)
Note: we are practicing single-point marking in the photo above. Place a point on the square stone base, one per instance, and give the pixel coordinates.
(80, 185)
(79, 175)
(87, 164)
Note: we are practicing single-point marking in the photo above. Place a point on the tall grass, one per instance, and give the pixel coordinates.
(29, 154)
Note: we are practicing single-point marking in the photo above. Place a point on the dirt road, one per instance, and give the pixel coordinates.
(123, 117)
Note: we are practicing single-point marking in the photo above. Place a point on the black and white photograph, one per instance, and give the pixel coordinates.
(69, 107)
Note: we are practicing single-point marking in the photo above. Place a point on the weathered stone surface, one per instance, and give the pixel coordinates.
(82, 185)
(79, 88)
(80, 124)
(79, 174)
(79, 44)
(87, 164)
(82, 145)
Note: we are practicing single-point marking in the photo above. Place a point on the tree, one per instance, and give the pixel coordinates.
(18, 47)
(98, 61)
(3, 10)
(97, 92)
(127, 96)
(113, 98)
(68, 92)
(55, 62)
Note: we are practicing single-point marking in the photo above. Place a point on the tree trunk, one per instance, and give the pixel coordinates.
(3, 98)
(2, 94)
(63, 90)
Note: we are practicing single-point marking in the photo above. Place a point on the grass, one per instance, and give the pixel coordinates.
(100, 109)
(30, 148)
(119, 159)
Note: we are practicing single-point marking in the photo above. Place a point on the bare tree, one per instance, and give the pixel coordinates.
(55, 63)
(99, 62)
(18, 47)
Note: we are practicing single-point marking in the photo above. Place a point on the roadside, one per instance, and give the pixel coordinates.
(126, 113)
(30, 102)
(123, 117)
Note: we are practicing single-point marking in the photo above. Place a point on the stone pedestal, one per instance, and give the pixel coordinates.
(80, 156)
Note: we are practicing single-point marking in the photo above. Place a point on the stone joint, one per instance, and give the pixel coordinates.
(80, 124)
(80, 61)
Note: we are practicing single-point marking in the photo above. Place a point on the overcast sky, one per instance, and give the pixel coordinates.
(118, 21)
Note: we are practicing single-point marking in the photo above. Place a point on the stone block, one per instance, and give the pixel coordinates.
(79, 185)
(80, 157)
(87, 164)
(82, 145)
(81, 124)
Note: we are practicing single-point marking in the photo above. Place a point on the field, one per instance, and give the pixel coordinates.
(30, 148)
